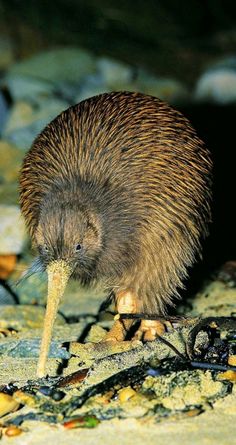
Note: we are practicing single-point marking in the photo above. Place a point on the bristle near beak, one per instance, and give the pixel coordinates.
(58, 276)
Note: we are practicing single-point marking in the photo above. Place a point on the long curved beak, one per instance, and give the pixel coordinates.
(58, 275)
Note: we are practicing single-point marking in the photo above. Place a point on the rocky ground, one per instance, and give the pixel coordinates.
(124, 392)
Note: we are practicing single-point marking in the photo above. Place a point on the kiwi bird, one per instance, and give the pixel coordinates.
(116, 190)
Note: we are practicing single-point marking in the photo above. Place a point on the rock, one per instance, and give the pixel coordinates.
(30, 289)
(12, 230)
(110, 75)
(13, 431)
(216, 299)
(27, 88)
(26, 122)
(92, 86)
(96, 334)
(183, 390)
(113, 72)
(7, 404)
(7, 265)
(6, 53)
(9, 194)
(30, 349)
(11, 158)
(57, 65)
(218, 83)
(3, 111)
(5, 296)
(79, 301)
(170, 90)
(24, 317)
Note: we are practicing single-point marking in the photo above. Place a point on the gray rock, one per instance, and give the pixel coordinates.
(26, 122)
(30, 348)
(92, 86)
(3, 111)
(79, 301)
(31, 289)
(21, 317)
(5, 296)
(12, 230)
(113, 72)
(57, 65)
(170, 90)
(23, 87)
(217, 86)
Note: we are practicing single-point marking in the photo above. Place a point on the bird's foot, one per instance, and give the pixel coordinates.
(126, 302)
(149, 330)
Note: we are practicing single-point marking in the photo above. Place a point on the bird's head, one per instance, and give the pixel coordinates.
(70, 234)
(69, 240)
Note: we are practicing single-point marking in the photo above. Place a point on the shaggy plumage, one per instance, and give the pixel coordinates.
(119, 187)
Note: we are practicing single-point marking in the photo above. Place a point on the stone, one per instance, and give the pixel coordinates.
(80, 301)
(170, 90)
(9, 194)
(57, 65)
(12, 230)
(92, 86)
(3, 111)
(22, 317)
(113, 72)
(7, 404)
(30, 349)
(216, 299)
(11, 159)
(27, 88)
(30, 289)
(26, 122)
(5, 296)
(218, 83)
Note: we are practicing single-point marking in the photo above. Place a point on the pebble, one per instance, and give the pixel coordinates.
(228, 375)
(125, 394)
(232, 360)
(57, 395)
(13, 431)
(46, 390)
(7, 404)
(12, 230)
(82, 422)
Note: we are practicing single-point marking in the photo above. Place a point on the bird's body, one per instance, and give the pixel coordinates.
(118, 187)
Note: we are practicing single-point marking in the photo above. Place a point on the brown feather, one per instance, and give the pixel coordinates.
(131, 171)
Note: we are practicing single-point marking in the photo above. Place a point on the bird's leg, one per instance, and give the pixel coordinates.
(126, 303)
(149, 330)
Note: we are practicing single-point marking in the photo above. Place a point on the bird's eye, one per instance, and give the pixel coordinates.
(43, 249)
(78, 247)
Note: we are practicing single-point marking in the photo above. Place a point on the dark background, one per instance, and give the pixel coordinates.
(169, 38)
